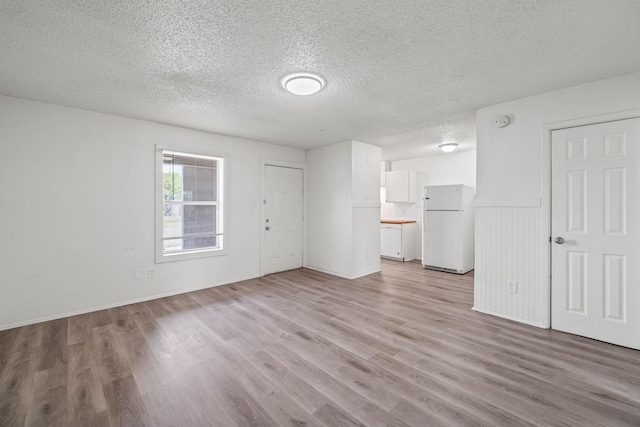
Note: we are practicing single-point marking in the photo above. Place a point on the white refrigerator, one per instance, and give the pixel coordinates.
(448, 228)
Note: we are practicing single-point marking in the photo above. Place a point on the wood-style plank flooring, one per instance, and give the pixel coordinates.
(301, 348)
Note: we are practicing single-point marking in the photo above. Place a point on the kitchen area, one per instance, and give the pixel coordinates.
(436, 226)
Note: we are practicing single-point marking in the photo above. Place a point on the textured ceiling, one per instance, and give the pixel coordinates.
(401, 74)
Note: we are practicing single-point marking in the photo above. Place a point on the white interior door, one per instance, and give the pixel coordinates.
(283, 216)
(595, 278)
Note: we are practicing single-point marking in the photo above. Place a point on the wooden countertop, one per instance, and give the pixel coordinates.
(397, 221)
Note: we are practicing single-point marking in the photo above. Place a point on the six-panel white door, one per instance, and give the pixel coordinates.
(595, 254)
(283, 215)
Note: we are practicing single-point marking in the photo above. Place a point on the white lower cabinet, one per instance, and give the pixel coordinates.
(397, 241)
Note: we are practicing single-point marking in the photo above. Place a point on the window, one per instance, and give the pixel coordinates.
(191, 215)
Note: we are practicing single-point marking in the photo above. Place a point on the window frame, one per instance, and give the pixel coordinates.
(223, 186)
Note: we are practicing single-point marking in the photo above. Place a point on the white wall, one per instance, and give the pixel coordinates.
(450, 168)
(512, 213)
(343, 211)
(77, 211)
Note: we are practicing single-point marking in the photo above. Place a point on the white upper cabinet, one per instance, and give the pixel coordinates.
(399, 184)
(405, 186)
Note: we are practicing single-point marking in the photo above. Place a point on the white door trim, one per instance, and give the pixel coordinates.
(547, 128)
(303, 167)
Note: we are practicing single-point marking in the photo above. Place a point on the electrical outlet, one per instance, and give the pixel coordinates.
(138, 273)
(512, 287)
(151, 273)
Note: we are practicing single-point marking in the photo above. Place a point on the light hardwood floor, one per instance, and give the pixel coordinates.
(302, 348)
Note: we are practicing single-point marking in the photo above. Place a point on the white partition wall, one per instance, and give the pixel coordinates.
(343, 227)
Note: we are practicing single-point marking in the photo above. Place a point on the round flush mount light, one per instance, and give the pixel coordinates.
(448, 147)
(303, 83)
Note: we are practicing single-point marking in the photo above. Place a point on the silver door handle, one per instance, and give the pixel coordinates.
(267, 228)
(559, 240)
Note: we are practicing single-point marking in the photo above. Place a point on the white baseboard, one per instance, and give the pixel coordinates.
(515, 319)
(366, 274)
(117, 304)
(323, 270)
(333, 273)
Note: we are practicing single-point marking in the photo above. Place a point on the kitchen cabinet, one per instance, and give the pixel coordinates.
(397, 239)
(405, 186)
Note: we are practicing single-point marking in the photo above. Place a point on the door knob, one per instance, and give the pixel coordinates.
(559, 240)
(267, 228)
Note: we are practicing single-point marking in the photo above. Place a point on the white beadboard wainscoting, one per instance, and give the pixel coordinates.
(509, 249)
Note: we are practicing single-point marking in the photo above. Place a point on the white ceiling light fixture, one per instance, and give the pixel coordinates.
(303, 83)
(448, 147)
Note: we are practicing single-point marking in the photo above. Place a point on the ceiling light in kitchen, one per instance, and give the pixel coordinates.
(448, 147)
(303, 84)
